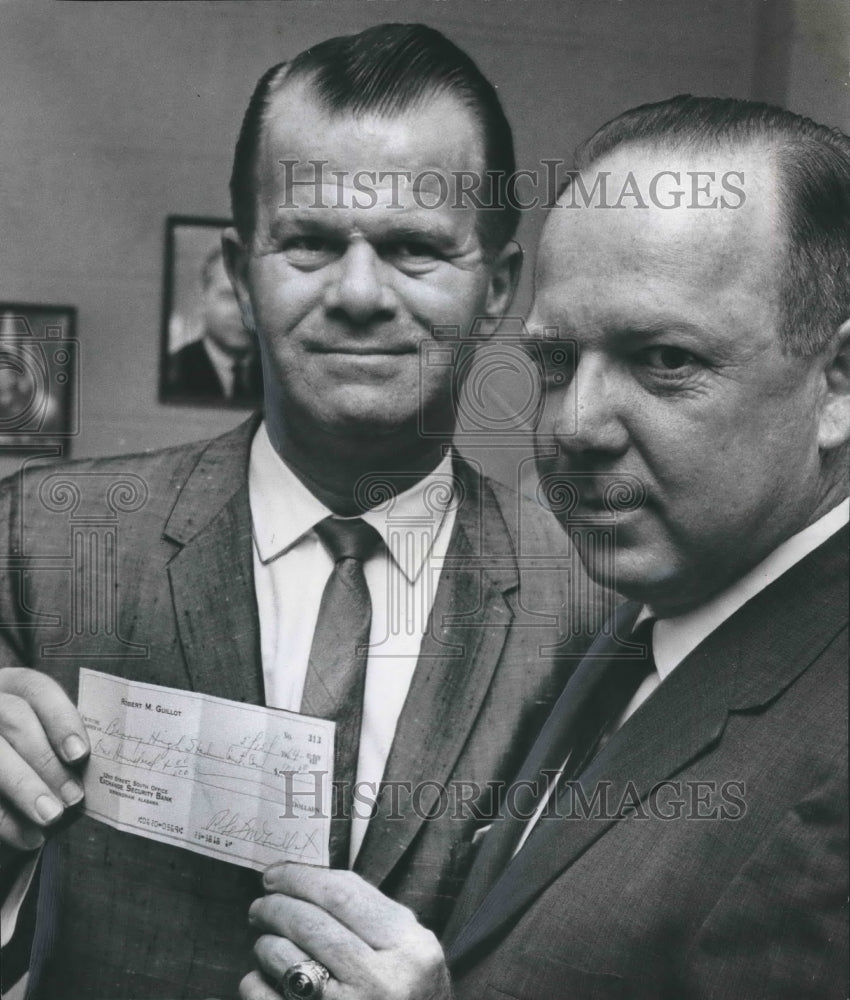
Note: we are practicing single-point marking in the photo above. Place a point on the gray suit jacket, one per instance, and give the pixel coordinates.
(141, 566)
(718, 868)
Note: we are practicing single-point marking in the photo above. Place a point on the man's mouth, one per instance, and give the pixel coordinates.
(594, 492)
(364, 351)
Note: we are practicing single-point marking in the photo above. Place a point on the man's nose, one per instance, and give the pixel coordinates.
(358, 290)
(587, 415)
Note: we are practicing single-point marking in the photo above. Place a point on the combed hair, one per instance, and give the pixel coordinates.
(814, 164)
(385, 70)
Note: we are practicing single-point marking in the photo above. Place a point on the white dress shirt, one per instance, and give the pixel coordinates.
(291, 568)
(674, 638)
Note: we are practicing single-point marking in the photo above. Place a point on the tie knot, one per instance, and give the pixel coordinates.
(348, 538)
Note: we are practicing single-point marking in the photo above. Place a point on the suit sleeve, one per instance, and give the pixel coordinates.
(13, 643)
(779, 931)
(16, 869)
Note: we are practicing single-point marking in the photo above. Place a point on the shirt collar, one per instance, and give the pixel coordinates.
(674, 638)
(284, 511)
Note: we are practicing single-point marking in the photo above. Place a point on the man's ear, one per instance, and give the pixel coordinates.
(236, 264)
(834, 423)
(504, 278)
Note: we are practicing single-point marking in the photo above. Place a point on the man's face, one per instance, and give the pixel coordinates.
(222, 319)
(681, 382)
(347, 274)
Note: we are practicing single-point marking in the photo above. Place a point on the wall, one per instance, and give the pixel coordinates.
(819, 61)
(115, 115)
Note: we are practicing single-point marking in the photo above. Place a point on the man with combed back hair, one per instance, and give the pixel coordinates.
(684, 834)
(335, 557)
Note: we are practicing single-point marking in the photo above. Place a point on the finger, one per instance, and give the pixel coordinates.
(366, 911)
(276, 954)
(56, 712)
(16, 833)
(23, 731)
(22, 787)
(254, 987)
(315, 931)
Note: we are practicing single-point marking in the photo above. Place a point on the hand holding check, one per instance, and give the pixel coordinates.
(42, 743)
(373, 948)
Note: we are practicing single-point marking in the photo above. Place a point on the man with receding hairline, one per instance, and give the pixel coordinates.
(684, 832)
(260, 567)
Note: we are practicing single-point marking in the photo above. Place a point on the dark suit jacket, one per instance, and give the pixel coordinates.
(693, 905)
(176, 606)
(191, 375)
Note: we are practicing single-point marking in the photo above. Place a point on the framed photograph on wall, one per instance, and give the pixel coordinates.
(207, 357)
(39, 373)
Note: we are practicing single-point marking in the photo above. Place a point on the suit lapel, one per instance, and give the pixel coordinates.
(212, 580)
(742, 665)
(686, 715)
(547, 754)
(459, 653)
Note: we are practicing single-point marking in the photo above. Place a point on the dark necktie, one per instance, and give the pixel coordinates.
(614, 688)
(336, 673)
(590, 704)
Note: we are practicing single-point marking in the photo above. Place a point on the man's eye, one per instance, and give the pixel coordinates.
(669, 359)
(414, 251)
(309, 250)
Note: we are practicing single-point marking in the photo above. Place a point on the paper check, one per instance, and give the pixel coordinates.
(238, 782)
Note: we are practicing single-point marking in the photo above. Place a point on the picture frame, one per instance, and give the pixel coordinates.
(39, 378)
(207, 358)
